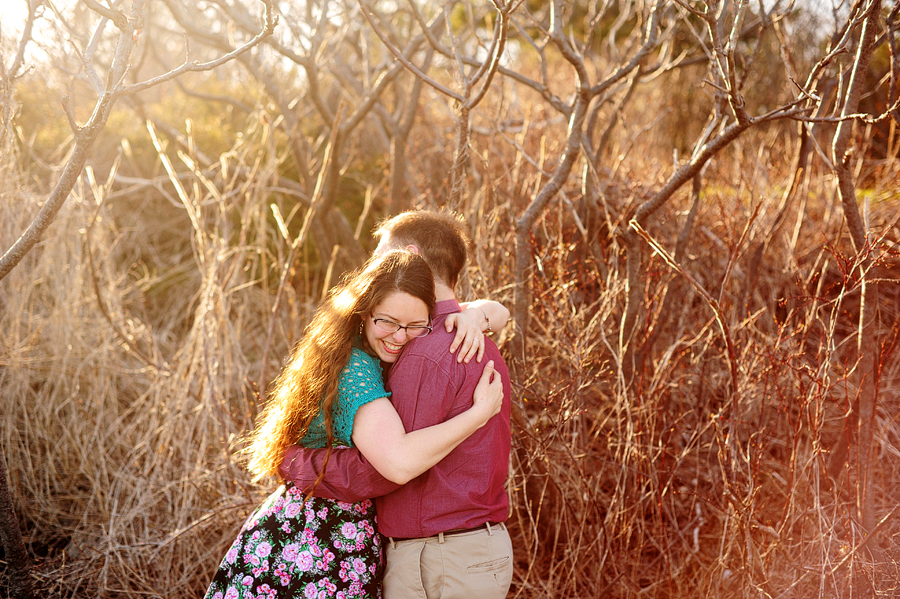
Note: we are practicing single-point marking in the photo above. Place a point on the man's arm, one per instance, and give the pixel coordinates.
(348, 476)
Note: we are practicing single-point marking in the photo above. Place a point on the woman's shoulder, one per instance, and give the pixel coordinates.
(361, 364)
(359, 356)
(361, 382)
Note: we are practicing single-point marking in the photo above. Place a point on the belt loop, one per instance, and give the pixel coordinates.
(441, 538)
(488, 525)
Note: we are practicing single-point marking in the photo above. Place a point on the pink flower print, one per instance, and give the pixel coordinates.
(255, 536)
(304, 561)
(263, 568)
(311, 592)
(344, 505)
(247, 581)
(285, 579)
(231, 556)
(292, 510)
(315, 549)
(349, 530)
(290, 552)
(340, 595)
(359, 565)
(254, 559)
(231, 593)
(360, 538)
(323, 513)
(337, 544)
(264, 549)
(309, 536)
(327, 556)
(286, 528)
(218, 595)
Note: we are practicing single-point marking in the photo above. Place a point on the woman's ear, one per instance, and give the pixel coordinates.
(411, 248)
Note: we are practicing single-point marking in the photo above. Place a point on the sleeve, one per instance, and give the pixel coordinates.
(361, 382)
(348, 477)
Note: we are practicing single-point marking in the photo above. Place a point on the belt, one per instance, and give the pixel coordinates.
(449, 533)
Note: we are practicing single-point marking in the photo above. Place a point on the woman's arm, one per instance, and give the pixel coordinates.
(399, 456)
(477, 317)
(494, 314)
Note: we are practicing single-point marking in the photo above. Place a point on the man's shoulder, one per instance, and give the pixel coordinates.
(433, 346)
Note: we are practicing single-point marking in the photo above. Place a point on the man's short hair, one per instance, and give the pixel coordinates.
(440, 236)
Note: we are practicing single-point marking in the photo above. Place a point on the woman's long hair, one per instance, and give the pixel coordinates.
(309, 381)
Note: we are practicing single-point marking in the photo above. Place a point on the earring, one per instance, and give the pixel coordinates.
(360, 327)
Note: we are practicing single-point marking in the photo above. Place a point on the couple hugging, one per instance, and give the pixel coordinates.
(426, 442)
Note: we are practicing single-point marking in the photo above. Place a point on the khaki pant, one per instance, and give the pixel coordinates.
(470, 565)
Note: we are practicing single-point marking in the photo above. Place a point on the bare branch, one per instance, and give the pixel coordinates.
(114, 15)
(405, 61)
(86, 135)
(498, 45)
(649, 45)
(270, 21)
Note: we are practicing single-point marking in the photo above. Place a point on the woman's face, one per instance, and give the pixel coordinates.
(399, 308)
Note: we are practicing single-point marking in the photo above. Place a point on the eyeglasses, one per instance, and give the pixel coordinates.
(413, 330)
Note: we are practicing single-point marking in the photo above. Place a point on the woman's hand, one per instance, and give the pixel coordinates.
(399, 456)
(488, 397)
(469, 338)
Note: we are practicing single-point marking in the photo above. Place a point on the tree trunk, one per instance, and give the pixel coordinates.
(20, 585)
(867, 343)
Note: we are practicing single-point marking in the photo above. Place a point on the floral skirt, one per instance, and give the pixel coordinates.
(288, 549)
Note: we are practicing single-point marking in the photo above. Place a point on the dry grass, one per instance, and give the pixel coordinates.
(677, 487)
(122, 424)
(134, 336)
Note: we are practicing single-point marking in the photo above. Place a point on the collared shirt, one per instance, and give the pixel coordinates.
(466, 488)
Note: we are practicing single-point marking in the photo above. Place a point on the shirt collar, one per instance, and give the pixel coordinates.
(445, 307)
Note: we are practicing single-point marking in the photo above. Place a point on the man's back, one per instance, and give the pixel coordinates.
(467, 488)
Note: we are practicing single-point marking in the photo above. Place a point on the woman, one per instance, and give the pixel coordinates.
(293, 546)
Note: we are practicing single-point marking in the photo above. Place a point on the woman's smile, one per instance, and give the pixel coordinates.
(398, 308)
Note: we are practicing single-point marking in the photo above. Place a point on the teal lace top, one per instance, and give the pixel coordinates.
(361, 382)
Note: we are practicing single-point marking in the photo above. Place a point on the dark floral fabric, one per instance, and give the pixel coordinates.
(313, 550)
(317, 549)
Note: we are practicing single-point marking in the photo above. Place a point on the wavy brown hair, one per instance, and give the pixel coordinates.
(309, 381)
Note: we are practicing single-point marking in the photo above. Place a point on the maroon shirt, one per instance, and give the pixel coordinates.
(466, 488)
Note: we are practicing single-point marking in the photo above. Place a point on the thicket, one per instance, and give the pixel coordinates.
(658, 191)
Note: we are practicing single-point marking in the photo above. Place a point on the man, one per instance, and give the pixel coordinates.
(445, 530)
